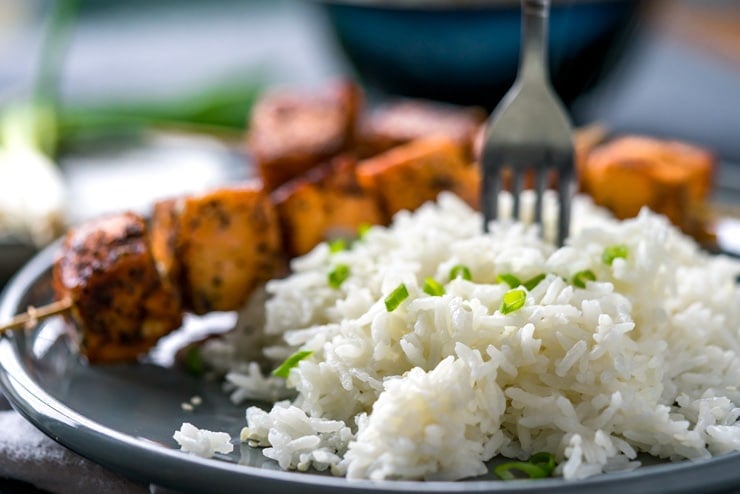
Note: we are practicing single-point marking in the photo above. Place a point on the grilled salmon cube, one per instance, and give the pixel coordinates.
(325, 203)
(290, 132)
(162, 236)
(120, 305)
(218, 246)
(670, 177)
(407, 176)
(406, 120)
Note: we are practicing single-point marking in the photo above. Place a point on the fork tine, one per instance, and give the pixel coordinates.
(565, 196)
(540, 184)
(491, 189)
(516, 191)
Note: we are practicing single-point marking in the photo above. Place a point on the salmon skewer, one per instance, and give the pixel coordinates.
(123, 283)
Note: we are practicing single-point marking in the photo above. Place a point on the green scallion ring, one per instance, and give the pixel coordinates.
(337, 245)
(513, 300)
(194, 363)
(581, 277)
(460, 270)
(394, 299)
(531, 283)
(433, 287)
(505, 470)
(509, 279)
(338, 275)
(612, 252)
(363, 229)
(284, 369)
(544, 460)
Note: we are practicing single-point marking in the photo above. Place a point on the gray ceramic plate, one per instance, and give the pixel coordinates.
(123, 417)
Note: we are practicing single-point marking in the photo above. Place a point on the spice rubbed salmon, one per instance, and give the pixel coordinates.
(671, 178)
(218, 246)
(290, 132)
(407, 176)
(327, 202)
(120, 304)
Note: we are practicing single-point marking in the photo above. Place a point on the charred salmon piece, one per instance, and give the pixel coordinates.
(223, 244)
(291, 132)
(325, 203)
(163, 225)
(120, 306)
(407, 120)
(408, 176)
(670, 177)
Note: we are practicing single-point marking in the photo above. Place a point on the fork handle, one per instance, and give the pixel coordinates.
(535, 18)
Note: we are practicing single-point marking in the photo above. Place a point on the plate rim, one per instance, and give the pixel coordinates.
(143, 460)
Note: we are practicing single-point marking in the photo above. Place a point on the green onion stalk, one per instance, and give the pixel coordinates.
(32, 191)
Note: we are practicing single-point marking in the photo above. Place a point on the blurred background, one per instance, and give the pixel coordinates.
(84, 82)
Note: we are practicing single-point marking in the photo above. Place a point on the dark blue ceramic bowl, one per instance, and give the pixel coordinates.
(469, 53)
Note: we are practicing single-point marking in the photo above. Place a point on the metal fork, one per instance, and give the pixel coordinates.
(529, 130)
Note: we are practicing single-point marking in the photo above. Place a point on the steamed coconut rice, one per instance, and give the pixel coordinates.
(624, 341)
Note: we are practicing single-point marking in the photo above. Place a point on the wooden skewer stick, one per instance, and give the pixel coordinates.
(34, 314)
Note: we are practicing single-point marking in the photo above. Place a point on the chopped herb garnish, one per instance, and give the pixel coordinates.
(533, 282)
(193, 361)
(338, 275)
(544, 460)
(614, 252)
(284, 369)
(394, 299)
(509, 279)
(581, 277)
(539, 466)
(513, 300)
(363, 229)
(433, 288)
(337, 245)
(460, 270)
(505, 470)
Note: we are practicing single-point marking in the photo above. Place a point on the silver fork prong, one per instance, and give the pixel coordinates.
(565, 196)
(540, 184)
(517, 185)
(491, 189)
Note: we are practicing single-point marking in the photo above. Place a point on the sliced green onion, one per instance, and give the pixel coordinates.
(544, 460)
(460, 270)
(531, 283)
(580, 278)
(513, 300)
(337, 245)
(284, 369)
(433, 288)
(338, 275)
(539, 466)
(614, 252)
(363, 229)
(193, 361)
(509, 279)
(394, 299)
(505, 470)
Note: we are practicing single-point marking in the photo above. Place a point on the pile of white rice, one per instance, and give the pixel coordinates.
(644, 359)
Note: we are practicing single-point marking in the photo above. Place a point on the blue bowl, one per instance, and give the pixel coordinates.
(468, 53)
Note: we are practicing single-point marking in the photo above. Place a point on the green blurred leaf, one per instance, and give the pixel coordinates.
(221, 107)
